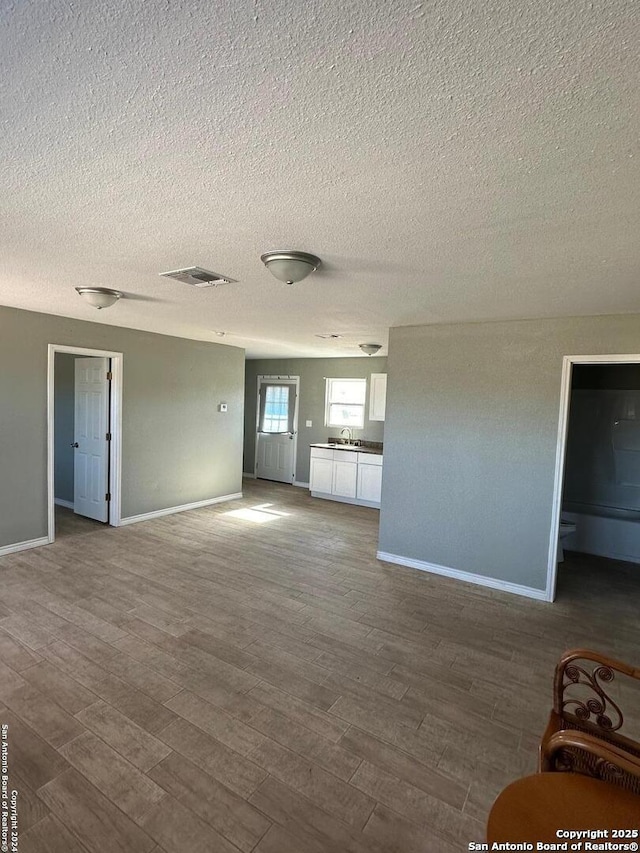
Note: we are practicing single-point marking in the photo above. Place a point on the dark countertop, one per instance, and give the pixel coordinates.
(362, 448)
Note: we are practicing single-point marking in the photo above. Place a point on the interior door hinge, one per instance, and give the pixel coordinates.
(109, 375)
(107, 497)
(108, 436)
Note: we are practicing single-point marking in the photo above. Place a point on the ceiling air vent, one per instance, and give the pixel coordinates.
(199, 277)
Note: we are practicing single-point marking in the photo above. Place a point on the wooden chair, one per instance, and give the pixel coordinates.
(584, 730)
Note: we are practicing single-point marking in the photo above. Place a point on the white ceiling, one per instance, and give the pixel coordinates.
(448, 161)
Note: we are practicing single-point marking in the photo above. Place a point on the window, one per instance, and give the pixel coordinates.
(344, 403)
(276, 408)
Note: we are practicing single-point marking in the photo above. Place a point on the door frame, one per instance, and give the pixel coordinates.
(561, 449)
(115, 428)
(268, 377)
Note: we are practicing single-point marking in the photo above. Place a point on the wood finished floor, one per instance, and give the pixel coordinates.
(248, 677)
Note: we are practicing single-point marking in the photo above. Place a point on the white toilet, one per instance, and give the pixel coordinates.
(566, 529)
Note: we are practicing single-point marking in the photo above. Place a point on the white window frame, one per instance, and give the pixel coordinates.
(328, 401)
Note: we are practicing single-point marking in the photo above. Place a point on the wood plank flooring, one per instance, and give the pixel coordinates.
(248, 677)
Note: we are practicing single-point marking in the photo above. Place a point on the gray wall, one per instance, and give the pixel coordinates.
(177, 448)
(312, 373)
(64, 386)
(470, 439)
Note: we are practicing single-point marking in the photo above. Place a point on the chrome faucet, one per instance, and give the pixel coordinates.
(349, 433)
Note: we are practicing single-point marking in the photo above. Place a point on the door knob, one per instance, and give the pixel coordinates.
(75, 444)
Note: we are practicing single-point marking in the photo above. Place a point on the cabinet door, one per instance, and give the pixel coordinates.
(370, 483)
(321, 475)
(378, 396)
(345, 479)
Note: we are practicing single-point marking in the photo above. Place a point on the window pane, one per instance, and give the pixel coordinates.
(344, 415)
(276, 409)
(345, 402)
(347, 391)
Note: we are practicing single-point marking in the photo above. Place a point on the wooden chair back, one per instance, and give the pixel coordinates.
(584, 733)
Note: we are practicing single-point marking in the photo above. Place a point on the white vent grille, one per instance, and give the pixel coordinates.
(199, 277)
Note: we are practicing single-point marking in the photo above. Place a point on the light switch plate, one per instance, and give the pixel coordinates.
(222, 407)
(309, 423)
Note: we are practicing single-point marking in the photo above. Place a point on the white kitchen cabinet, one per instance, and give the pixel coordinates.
(369, 482)
(346, 475)
(321, 475)
(377, 396)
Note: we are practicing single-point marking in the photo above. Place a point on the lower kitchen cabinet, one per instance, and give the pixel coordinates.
(369, 482)
(345, 478)
(346, 475)
(321, 474)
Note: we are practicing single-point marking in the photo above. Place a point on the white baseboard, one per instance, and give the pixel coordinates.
(24, 546)
(468, 577)
(68, 504)
(158, 513)
(301, 485)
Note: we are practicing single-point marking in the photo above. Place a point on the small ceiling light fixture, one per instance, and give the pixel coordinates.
(99, 297)
(290, 266)
(370, 349)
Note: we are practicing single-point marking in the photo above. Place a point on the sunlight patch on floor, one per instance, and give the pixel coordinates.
(259, 514)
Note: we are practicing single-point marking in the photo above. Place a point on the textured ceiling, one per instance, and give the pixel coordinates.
(447, 160)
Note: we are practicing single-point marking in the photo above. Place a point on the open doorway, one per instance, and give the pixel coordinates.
(597, 485)
(277, 428)
(84, 439)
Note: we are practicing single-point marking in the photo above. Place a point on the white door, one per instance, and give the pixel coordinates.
(277, 426)
(91, 462)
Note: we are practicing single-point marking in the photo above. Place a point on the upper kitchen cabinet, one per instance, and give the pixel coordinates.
(377, 396)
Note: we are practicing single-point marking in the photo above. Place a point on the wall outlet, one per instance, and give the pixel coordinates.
(309, 423)
(222, 407)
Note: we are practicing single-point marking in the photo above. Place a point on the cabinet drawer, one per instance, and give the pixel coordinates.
(321, 453)
(369, 459)
(344, 455)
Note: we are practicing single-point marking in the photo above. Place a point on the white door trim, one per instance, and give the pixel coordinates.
(561, 446)
(267, 378)
(115, 427)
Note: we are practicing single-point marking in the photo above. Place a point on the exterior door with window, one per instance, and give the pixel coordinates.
(277, 428)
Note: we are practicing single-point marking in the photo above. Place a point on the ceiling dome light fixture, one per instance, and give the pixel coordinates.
(289, 266)
(99, 297)
(370, 349)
